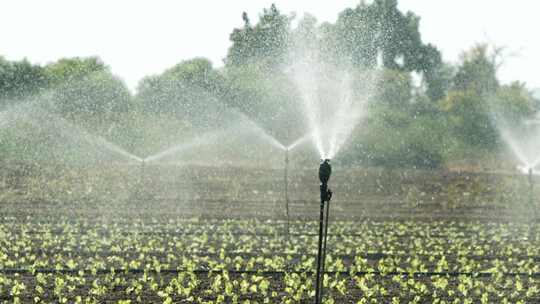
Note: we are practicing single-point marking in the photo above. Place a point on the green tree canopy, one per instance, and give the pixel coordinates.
(269, 99)
(19, 79)
(513, 103)
(73, 69)
(266, 42)
(477, 71)
(85, 88)
(187, 91)
(379, 31)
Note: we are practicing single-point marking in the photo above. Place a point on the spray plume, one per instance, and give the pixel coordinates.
(524, 143)
(76, 132)
(332, 107)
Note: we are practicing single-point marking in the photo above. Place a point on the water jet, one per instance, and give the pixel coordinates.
(78, 133)
(523, 141)
(204, 139)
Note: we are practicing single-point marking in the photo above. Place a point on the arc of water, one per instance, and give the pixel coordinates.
(514, 146)
(525, 170)
(272, 140)
(300, 141)
(535, 163)
(206, 138)
(11, 113)
(269, 138)
(78, 132)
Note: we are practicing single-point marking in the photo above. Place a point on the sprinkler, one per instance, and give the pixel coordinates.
(325, 170)
(529, 171)
(143, 165)
(531, 187)
(286, 181)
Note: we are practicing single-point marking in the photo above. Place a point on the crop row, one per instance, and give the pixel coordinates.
(74, 259)
(225, 287)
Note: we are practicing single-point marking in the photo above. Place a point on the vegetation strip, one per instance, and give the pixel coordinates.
(266, 272)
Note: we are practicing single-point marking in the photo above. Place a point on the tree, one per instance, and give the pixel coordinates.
(305, 37)
(187, 91)
(438, 80)
(356, 32)
(469, 115)
(394, 88)
(380, 31)
(478, 70)
(19, 79)
(73, 69)
(513, 103)
(268, 99)
(267, 41)
(471, 101)
(85, 89)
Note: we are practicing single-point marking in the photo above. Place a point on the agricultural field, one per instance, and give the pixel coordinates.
(219, 235)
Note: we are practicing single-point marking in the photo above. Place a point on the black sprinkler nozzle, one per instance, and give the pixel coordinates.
(325, 170)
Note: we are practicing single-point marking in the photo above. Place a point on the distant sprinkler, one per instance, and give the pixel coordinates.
(531, 187)
(325, 170)
(529, 171)
(143, 169)
(286, 184)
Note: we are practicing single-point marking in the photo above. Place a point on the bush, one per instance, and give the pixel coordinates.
(396, 139)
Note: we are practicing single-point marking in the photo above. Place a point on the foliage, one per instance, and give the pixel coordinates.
(20, 79)
(99, 96)
(514, 103)
(265, 42)
(470, 119)
(187, 92)
(270, 99)
(394, 89)
(137, 260)
(394, 139)
(73, 69)
(460, 103)
(477, 71)
(380, 31)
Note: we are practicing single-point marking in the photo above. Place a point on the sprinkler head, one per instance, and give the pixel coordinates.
(524, 169)
(325, 170)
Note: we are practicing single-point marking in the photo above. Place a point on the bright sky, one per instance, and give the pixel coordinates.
(143, 37)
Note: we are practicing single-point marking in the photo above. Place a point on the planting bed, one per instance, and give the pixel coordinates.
(153, 246)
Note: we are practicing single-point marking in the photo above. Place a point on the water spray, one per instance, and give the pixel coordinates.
(287, 149)
(325, 170)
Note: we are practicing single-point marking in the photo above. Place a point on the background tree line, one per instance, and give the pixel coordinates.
(424, 111)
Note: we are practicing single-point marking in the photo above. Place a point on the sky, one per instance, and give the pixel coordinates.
(137, 38)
